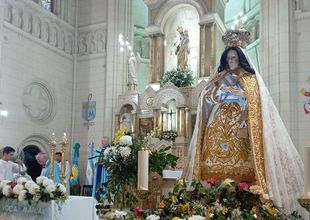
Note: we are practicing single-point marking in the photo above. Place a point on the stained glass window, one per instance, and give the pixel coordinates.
(46, 4)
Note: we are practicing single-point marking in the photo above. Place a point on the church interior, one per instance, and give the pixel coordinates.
(117, 102)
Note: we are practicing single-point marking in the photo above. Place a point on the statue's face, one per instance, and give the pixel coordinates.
(232, 59)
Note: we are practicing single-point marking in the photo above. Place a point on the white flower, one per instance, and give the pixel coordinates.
(153, 217)
(196, 217)
(7, 190)
(40, 179)
(4, 183)
(34, 188)
(107, 151)
(125, 140)
(120, 214)
(62, 188)
(29, 184)
(47, 182)
(113, 150)
(17, 189)
(51, 188)
(22, 195)
(125, 151)
(21, 180)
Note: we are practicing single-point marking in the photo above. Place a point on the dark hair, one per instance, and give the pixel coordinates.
(59, 153)
(8, 150)
(243, 63)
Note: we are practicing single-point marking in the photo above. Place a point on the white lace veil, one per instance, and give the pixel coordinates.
(283, 164)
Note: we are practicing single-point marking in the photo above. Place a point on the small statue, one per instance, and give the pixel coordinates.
(133, 66)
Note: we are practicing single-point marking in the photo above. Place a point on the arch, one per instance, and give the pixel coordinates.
(169, 6)
(39, 140)
(127, 102)
(167, 94)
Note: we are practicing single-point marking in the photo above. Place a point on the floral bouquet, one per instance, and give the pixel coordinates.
(219, 200)
(121, 164)
(43, 190)
(179, 77)
(168, 135)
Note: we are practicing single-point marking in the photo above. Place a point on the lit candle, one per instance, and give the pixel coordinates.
(143, 170)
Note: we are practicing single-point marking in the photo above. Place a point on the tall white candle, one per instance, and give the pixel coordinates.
(307, 170)
(143, 170)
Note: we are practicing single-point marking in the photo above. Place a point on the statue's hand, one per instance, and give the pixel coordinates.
(242, 132)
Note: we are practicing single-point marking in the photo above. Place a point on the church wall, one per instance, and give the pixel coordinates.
(36, 74)
(301, 51)
(90, 74)
(285, 65)
(101, 68)
(31, 71)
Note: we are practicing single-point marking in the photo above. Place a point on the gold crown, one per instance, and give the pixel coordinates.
(238, 38)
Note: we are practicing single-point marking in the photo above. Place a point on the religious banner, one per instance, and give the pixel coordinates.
(89, 111)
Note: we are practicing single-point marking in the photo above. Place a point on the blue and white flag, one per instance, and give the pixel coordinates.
(90, 164)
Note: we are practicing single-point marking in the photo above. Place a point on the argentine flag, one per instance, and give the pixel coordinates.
(90, 164)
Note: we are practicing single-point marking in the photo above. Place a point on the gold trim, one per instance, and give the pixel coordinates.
(255, 128)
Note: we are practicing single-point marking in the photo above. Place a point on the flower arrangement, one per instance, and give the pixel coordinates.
(168, 135)
(43, 190)
(179, 77)
(121, 162)
(219, 200)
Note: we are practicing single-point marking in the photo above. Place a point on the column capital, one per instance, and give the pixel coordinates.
(212, 17)
(153, 30)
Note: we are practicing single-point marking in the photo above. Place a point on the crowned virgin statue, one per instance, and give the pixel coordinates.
(239, 134)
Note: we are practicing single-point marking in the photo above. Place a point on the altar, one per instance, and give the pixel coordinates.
(76, 207)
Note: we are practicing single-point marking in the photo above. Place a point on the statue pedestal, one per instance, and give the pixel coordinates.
(132, 85)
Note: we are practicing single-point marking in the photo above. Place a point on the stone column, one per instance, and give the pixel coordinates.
(207, 48)
(187, 122)
(156, 116)
(157, 57)
(182, 122)
(134, 122)
(178, 121)
(165, 120)
(117, 122)
(1, 38)
(277, 59)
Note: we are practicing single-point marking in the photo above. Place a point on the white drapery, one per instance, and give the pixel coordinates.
(283, 164)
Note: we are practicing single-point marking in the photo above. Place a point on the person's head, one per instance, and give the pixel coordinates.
(232, 58)
(105, 141)
(42, 158)
(58, 156)
(8, 153)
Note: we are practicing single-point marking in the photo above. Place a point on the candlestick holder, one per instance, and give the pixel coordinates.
(53, 144)
(64, 144)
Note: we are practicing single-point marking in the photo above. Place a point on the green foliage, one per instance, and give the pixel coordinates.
(160, 159)
(218, 200)
(179, 77)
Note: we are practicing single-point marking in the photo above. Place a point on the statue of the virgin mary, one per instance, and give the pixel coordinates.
(239, 134)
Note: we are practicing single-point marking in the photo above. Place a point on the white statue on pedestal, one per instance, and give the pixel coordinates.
(133, 66)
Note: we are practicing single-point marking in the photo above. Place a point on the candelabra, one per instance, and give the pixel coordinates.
(53, 144)
(64, 144)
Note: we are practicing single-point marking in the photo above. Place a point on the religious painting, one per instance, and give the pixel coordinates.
(145, 125)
